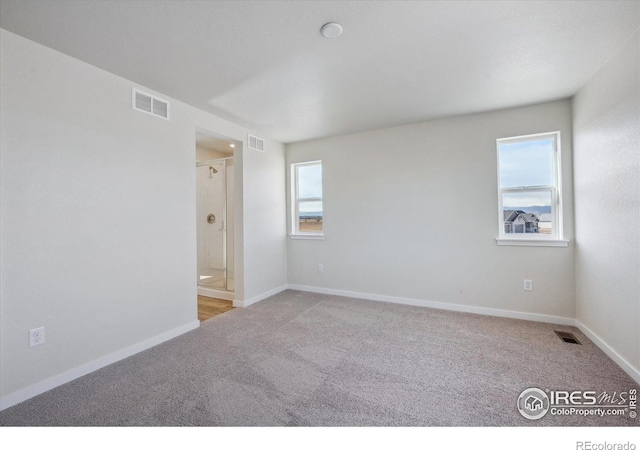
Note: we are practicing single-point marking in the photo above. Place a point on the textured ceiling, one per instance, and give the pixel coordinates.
(213, 143)
(266, 65)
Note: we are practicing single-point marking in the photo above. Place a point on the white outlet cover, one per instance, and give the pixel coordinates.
(528, 285)
(36, 337)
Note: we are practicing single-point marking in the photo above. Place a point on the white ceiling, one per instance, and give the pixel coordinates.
(266, 65)
(213, 143)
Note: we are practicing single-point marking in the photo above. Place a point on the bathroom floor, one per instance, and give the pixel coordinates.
(210, 307)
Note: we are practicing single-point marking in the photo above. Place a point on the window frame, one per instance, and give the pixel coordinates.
(555, 191)
(295, 203)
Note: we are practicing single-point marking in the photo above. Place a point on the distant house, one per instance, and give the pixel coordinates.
(517, 221)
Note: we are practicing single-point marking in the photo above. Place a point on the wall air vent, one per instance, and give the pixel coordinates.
(256, 143)
(149, 104)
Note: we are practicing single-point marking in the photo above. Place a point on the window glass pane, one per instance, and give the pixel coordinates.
(309, 198)
(528, 163)
(313, 208)
(527, 212)
(310, 181)
(310, 216)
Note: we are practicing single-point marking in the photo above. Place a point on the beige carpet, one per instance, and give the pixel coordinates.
(316, 360)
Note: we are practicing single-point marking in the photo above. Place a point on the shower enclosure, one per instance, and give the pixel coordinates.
(214, 209)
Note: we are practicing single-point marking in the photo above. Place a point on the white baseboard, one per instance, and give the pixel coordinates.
(557, 320)
(610, 352)
(215, 293)
(440, 305)
(257, 298)
(58, 380)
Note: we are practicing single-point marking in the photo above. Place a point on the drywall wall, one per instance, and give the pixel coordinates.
(411, 212)
(606, 123)
(98, 232)
(264, 223)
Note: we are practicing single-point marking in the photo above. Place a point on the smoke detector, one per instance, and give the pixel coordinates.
(331, 30)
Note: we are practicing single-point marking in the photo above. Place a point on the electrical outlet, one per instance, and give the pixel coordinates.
(320, 268)
(36, 337)
(528, 285)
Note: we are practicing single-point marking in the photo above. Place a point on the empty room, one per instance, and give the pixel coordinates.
(320, 214)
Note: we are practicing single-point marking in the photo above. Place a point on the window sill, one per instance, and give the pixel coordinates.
(311, 237)
(533, 242)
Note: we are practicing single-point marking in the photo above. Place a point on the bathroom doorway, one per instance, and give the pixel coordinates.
(215, 223)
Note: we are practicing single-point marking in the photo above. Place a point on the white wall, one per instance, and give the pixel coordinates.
(264, 222)
(606, 123)
(98, 233)
(411, 212)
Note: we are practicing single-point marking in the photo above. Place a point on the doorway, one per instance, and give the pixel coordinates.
(215, 224)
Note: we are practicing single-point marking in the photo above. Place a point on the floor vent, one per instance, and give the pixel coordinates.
(256, 143)
(567, 337)
(150, 104)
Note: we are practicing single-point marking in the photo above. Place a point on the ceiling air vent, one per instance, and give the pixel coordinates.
(149, 104)
(256, 143)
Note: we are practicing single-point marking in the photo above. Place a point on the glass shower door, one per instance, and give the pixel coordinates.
(228, 225)
(211, 225)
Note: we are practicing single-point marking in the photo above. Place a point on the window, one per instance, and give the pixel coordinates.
(529, 201)
(306, 204)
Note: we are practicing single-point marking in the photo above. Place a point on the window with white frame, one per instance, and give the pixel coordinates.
(306, 201)
(529, 186)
